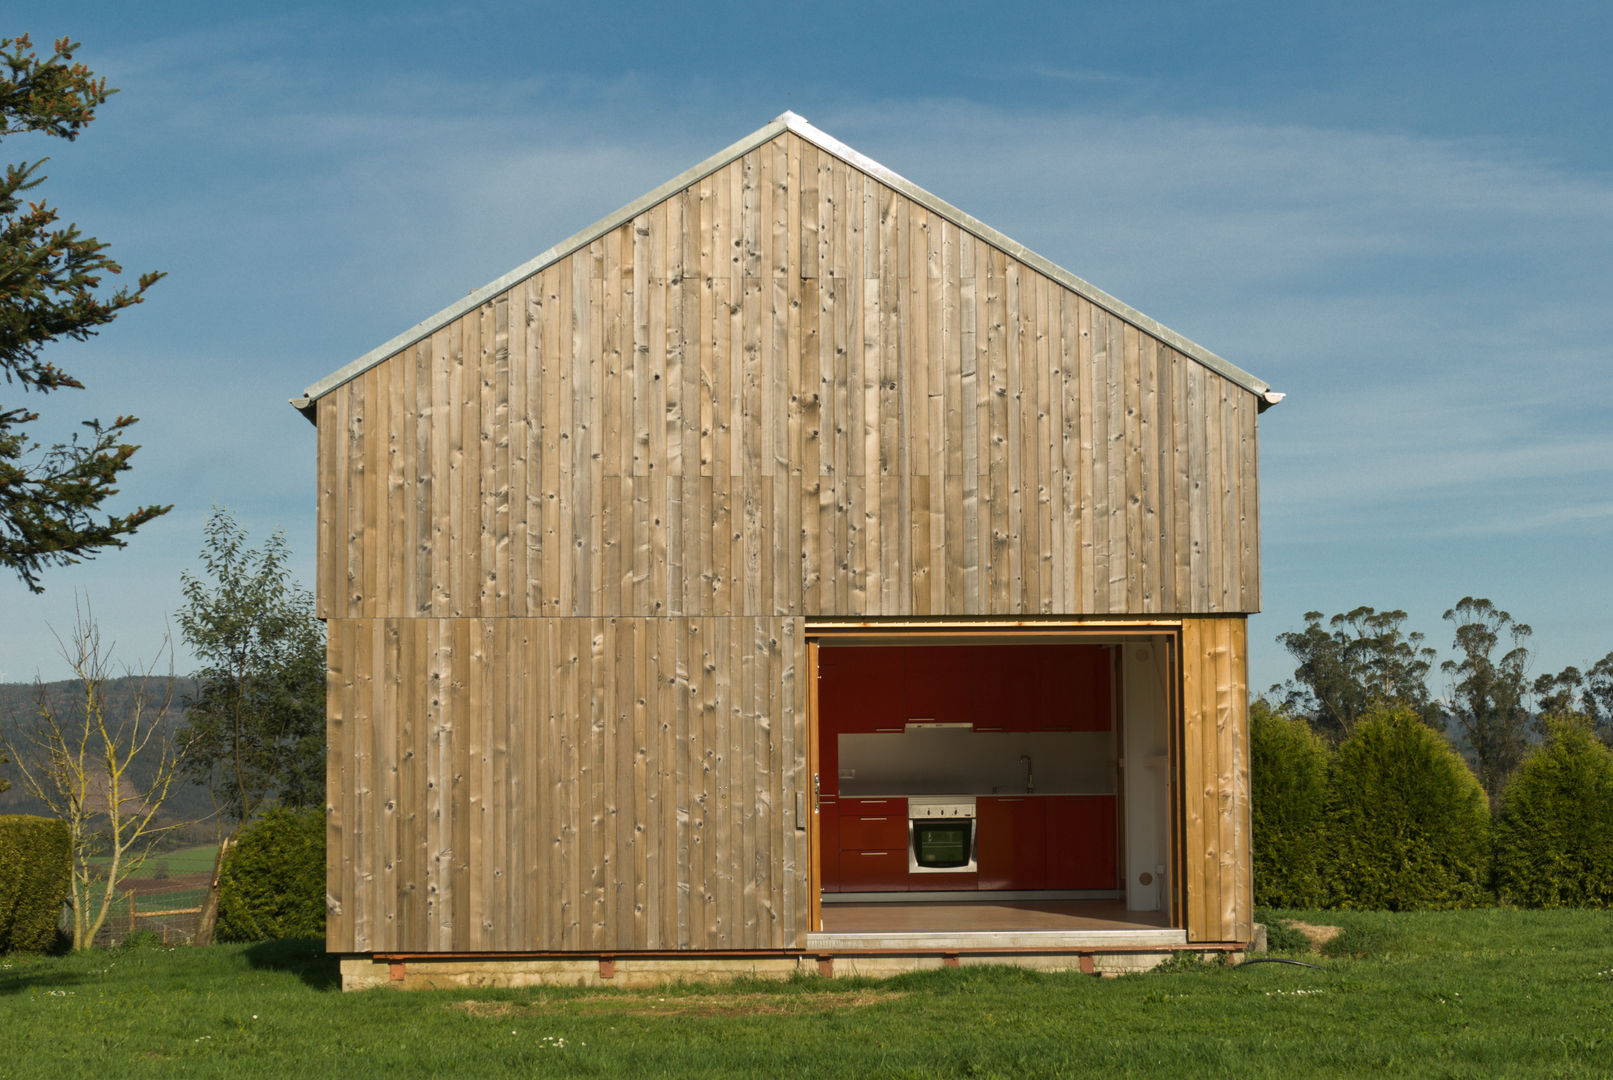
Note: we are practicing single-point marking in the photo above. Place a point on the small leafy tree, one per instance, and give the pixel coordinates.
(1288, 788)
(79, 759)
(257, 722)
(1408, 826)
(1489, 692)
(50, 274)
(1360, 660)
(1554, 838)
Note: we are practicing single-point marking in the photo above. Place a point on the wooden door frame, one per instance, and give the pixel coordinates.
(1024, 631)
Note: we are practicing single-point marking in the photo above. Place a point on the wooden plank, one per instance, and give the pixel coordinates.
(1132, 451)
(1194, 826)
(1164, 466)
(750, 793)
(624, 788)
(653, 446)
(339, 897)
(1070, 488)
(973, 420)
(349, 498)
(1249, 492)
(665, 845)
(789, 868)
(394, 587)
(1050, 381)
(1231, 542)
(1191, 465)
(1232, 729)
(1018, 439)
(519, 425)
(496, 463)
(719, 868)
(996, 558)
(326, 458)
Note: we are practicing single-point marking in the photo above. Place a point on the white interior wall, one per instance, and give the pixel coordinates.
(1145, 758)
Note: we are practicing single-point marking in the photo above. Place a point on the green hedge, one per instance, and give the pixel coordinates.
(1288, 784)
(1554, 838)
(1408, 824)
(273, 881)
(36, 868)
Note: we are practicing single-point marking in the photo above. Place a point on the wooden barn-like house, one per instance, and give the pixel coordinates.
(789, 570)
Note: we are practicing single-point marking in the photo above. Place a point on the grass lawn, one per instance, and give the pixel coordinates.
(1460, 994)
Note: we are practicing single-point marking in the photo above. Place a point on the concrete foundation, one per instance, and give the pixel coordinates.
(639, 971)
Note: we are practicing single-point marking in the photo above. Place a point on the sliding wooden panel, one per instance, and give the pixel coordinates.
(1215, 780)
(598, 784)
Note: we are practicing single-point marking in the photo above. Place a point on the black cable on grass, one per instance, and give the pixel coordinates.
(1280, 960)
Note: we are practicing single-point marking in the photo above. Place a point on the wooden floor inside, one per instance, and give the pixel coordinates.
(984, 915)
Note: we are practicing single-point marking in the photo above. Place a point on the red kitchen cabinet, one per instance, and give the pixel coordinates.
(937, 684)
(860, 690)
(829, 845)
(1010, 841)
(1073, 688)
(1000, 695)
(873, 871)
(873, 824)
(1082, 846)
(873, 845)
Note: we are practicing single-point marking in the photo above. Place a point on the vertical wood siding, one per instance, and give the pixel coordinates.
(593, 784)
(567, 543)
(1215, 779)
(787, 391)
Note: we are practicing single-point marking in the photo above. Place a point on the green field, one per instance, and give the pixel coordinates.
(1454, 994)
(197, 859)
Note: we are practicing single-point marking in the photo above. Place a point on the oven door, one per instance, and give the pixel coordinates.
(941, 846)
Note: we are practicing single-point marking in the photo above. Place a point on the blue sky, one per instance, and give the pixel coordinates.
(1400, 214)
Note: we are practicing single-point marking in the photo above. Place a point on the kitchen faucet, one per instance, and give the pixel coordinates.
(1030, 780)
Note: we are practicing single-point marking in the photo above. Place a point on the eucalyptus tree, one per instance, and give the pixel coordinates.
(1489, 699)
(1359, 660)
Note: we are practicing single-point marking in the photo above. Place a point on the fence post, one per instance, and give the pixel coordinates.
(131, 911)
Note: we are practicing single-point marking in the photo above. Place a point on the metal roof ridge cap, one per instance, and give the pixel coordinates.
(964, 220)
(423, 329)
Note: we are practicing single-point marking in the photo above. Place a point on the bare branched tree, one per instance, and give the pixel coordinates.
(80, 759)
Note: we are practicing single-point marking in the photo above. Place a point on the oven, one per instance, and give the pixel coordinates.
(941, 834)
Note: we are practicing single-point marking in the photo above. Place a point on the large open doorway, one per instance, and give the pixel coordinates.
(993, 783)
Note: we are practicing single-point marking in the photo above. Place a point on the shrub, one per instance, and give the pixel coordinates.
(1407, 822)
(35, 873)
(273, 881)
(1554, 838)
(1288, 787)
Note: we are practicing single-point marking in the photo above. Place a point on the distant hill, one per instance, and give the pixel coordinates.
(19, 714)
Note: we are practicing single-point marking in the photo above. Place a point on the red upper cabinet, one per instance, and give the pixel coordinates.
(859, 690)
(1073, 687)
(938, 684)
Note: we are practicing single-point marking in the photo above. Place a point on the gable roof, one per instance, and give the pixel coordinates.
(788, 121)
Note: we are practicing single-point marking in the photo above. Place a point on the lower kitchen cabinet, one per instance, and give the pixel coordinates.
(1082, 848)
(1011, 841)
(873, 871)
(873, 845)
